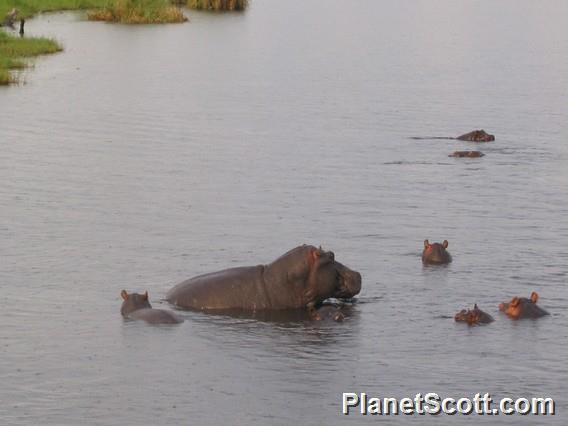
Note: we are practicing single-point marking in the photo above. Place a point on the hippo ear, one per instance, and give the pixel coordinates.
(426, 243)
(124, 294)
(534, 297)
(146, 295)
(316, 253)
(445, 244)
(475, 306)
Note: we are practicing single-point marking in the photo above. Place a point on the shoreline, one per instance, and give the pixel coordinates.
(16, 51)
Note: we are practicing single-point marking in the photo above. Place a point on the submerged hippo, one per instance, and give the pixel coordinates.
(436, 253)
(521, 307)
(137, 307)
(327, 313)
(473, 316)
(477, 136)
(467, 154)
(303, 277)
(474, 136)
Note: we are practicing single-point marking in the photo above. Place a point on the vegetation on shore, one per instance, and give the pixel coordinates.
(28, 8)
(13, 49)
(218, 4)
(138, 12)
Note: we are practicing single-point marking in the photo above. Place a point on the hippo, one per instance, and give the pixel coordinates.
(521, 307)
(301, 278)
(436, 253)
(467, 154)
(327, 312)
(137, 307)
(474, 136)
(473, 316)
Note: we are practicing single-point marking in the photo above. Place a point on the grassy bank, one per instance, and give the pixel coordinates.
(123, 11)
(29, 8)
(14, 49)
(218, 4)
(138, 12)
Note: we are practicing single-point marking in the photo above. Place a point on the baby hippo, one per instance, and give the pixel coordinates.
(326, 313)
(436, 253)
(137, 307)
(473, 316)
(521, 307)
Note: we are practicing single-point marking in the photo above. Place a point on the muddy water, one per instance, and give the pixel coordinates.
(142, 156)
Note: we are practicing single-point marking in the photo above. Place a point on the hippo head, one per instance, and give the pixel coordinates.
(133, 302)
(467, 154)
(326, 313)
(473, 316)
(521, 307)
(436, 253)
(325, 277)
(477, 136)
(464, 316)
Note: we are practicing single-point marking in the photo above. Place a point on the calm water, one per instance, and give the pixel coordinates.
(142, 156)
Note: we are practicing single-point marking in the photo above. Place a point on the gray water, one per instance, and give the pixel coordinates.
(144, 155)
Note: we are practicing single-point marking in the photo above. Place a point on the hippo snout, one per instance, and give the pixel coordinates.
(350, 283)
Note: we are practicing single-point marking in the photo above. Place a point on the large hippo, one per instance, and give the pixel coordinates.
(436, 253)
(473, 316)
(521, 307)
(137, 307)
(303, 277)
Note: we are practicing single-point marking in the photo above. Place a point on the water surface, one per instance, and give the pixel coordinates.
(142, 156)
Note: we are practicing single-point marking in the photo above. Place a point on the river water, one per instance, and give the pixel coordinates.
(144, 155)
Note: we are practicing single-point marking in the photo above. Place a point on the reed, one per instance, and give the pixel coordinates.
(138, 12)
(218, 5)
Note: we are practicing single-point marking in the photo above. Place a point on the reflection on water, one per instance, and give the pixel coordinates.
(142, 156)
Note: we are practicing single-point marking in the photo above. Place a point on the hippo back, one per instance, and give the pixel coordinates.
(155, 316)
(234, 288)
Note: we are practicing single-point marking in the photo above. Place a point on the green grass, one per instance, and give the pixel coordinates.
(28, 8)
(218, 4)
(13, 49)
(138, 12)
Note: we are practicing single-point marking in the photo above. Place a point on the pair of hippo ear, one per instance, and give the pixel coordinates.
(124, 295)
(515, 302)
(319, 252)
(444, 244)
